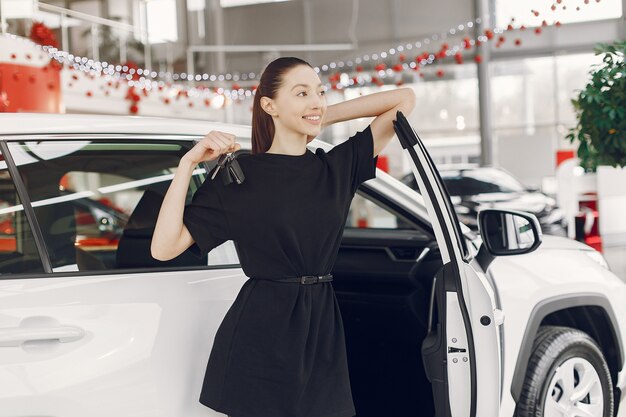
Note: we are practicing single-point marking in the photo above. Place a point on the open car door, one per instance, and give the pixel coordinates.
(461, 351)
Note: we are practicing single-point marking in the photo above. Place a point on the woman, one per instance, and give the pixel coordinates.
(280, 350)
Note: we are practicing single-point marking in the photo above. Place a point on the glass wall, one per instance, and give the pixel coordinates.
(532, 110)
(565, 13)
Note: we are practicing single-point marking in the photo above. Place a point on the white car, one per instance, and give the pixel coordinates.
(437, 322)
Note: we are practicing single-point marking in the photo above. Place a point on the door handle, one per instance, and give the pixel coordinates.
(15, 336)
(399, 254)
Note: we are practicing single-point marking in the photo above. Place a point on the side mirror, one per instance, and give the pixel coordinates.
(509, 232)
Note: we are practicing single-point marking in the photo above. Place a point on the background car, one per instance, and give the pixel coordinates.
(82, 336)
(473, 188)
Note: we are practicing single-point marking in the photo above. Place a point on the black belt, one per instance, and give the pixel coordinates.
(306, 279)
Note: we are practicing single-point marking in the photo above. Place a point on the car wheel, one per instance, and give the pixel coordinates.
(567, 376)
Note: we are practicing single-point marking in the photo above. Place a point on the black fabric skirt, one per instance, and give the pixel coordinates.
(280, 352)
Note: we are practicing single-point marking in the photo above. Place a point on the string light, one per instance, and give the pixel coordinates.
(151, 79)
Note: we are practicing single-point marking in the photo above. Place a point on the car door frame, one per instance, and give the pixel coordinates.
(464, 297)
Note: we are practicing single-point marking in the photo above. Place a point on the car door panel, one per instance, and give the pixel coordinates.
(463, 308)
(139, 333)
(141, 339)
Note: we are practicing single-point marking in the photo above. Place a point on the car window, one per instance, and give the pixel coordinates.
(18, 252)
(96, 202)
(367, 214)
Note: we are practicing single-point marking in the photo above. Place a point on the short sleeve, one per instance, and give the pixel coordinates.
(358, 151)
(205, 218)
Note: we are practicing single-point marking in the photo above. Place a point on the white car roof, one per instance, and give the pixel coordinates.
(45, 123)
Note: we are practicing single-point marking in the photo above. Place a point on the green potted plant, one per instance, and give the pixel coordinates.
(601, 111)
(601, 136)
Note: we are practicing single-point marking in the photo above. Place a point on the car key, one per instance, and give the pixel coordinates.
(221, 161)
(235, 174)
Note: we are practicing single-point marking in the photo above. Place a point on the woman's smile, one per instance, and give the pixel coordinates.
(316, 120)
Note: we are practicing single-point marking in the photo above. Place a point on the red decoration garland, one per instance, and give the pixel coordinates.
(42, 35)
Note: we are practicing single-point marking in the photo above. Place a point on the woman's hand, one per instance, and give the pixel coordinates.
(212, 146)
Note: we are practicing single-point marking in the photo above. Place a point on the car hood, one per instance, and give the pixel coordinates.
(531, 202)
(550, 242)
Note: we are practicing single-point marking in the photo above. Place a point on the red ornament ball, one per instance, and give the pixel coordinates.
(397, 67)
(134, 109)
(518, 42)
(402, 57)
(478, 59)
(538, 31)
(89, 93)
(13, 56)
(440, 73)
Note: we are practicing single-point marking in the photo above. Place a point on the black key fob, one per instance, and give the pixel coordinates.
(232, 171)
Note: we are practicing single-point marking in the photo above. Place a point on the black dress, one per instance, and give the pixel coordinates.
(280, 350)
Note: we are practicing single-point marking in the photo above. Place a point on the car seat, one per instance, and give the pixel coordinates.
(133, 249)
(58, 227)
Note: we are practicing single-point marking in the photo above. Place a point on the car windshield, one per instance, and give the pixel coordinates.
(480, 181)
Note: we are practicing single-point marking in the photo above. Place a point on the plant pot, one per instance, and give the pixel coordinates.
(611, 183)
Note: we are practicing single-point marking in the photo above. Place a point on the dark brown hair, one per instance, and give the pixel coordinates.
(271, 81)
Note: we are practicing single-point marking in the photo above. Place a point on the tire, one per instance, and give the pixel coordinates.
(566, 371)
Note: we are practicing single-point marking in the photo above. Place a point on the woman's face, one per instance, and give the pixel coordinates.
(300, 103)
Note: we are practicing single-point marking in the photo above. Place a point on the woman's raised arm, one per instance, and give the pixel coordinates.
(382, 105)
(171, 237)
